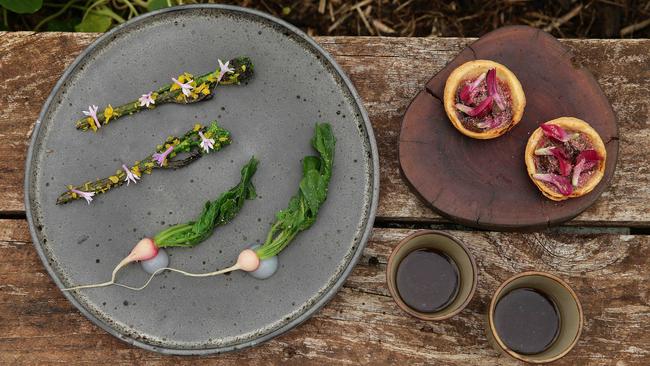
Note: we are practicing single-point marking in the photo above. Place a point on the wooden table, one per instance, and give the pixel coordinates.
(604, 253)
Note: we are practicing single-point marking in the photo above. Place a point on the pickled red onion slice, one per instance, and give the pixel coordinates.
(555, 132)
(561, 183)
(493, 90)
(469, 90)
(481, 109)
(586, 160)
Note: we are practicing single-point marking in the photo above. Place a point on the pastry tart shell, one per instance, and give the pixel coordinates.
(568, 124)
(473, 69)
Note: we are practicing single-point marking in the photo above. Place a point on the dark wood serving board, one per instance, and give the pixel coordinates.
(483, 183)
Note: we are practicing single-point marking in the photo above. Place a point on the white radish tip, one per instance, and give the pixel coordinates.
(248, 260)
(144, 250)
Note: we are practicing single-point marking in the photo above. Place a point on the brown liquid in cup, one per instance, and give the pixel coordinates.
(427, 280)
(527, 321)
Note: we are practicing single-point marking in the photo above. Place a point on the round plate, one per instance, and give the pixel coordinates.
(484, 183)
(296, 84)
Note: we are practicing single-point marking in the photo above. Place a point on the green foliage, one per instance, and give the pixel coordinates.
(215, 213)
(62, 25)
(158, 4)
(97, 23)
(303, 207)
(22, 6)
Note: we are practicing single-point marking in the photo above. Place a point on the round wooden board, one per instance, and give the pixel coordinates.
(483, 183)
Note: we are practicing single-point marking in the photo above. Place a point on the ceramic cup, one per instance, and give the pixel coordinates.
(447, 244)
(568, 306)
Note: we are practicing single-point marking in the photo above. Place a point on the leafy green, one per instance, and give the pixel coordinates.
(158, 4)
(303, 207)
(97, 23)
(215, 213)
(22, 6)
(65, 25)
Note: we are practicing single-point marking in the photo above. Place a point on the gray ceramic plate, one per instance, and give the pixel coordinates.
(296, 85)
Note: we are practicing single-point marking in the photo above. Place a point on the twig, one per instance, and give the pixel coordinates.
(563, 19)
(381, 27)
(634, 27)
(338, 22)
(361, 4)
(365, 21)
(402, 6)
(321, 6)
(330, 8)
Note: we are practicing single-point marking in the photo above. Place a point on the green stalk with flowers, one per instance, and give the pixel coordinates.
(198, 141)
(185, 89)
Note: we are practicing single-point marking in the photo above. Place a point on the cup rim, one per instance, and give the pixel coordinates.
(493, 303)
(390, 276)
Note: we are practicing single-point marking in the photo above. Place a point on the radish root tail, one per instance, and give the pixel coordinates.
(235, 267)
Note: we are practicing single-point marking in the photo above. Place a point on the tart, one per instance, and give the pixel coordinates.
(565, 158)
(483, 99)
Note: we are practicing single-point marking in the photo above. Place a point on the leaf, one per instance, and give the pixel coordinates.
(96, 23)
(58, 25)
(22, 6)
(310, 163)
(157, 4)
(314, 189)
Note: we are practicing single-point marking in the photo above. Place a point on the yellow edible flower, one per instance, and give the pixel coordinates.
(109, 113)
(136, 170)
(212, 77)
(197, 127)
(91, 123)
(114, 179)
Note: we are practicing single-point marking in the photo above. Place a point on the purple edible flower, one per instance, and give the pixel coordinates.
(92, 112)
(206, 143)
(146, 100)
(561, 183)
(223, 69)
(86, 195)
(160, 157)
(130, 177)
(493, 90)
(185, 87)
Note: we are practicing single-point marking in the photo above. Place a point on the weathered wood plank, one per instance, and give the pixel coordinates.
(362, 324)
(388, 72)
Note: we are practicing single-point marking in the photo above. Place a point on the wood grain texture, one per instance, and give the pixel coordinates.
(362, 324)
(388, 73)
(484, 183)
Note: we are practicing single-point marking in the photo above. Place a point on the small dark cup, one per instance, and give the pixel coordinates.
(444, 243)
(568, 307)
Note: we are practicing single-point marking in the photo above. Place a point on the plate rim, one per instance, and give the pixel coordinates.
(324, 297)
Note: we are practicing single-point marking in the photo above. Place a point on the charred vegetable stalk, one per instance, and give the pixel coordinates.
(215, 213)
(184, 89)
(198, 141)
